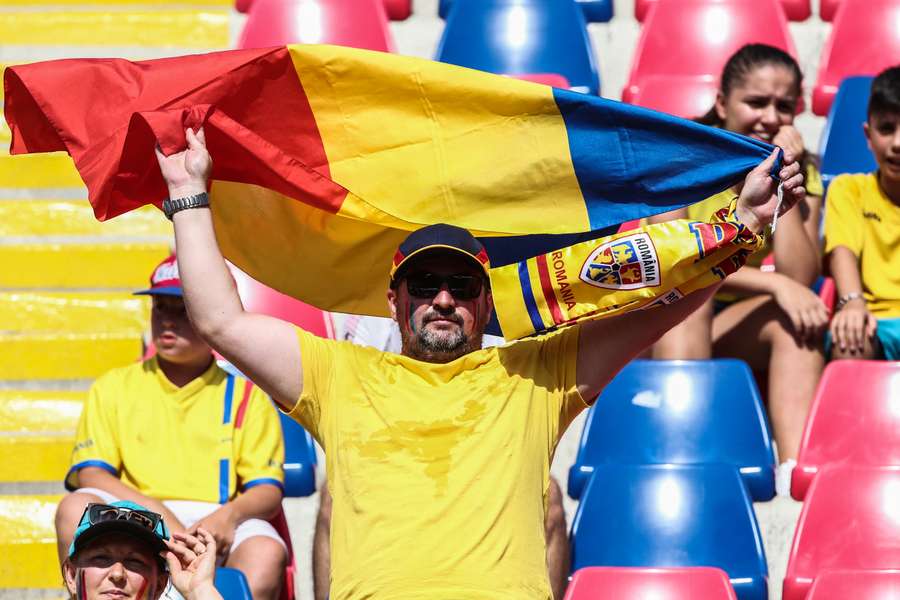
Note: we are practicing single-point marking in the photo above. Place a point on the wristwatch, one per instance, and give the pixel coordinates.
(171, 206)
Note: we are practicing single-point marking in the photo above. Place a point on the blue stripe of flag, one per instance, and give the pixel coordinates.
(525, 282)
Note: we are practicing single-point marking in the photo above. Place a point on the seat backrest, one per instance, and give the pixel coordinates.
(850, 520)
(687, 96)
(669, 516)
(353, 23)
(843, 147)
(842, 584)
(232, 584)
(512, 37)
(686, 583)
(595, 11)
(680, 412)
(259, 298)
(854, 419)
(299, 459)
(795, 10)
(864, 40)
(827, 8)
(696, 37)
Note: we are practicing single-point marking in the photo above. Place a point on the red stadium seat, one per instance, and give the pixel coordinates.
(677, 583)
(261, 299)
(795, 10)
(841, 585)
(865, 40)
(850, 520)
(683, 96)
(854, 420)
(279, 522)
(353, 23)
(687, 38)
(397, 10)
(827, 8)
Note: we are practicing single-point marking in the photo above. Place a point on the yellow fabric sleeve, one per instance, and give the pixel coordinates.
(843, 225)
(261, 456)
(318, 357)
(657, 264)
(96, 443)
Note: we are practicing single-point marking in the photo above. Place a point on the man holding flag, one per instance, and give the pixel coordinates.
(438, 459)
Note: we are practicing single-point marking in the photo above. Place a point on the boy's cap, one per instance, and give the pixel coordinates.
(87, 532)
(165, 280)
(440, 237)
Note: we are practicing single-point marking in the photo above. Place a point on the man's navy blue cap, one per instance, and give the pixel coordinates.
(440, 237)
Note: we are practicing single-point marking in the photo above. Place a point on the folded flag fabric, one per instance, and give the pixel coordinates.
(326, 157)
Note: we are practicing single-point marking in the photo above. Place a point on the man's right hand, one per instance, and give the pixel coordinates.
(187, 172)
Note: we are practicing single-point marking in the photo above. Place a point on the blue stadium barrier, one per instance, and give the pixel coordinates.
(595, 11)
(679, 412)
(232, 584)
(843, 146)
(299, 459)
(671, 516)
(515, 37)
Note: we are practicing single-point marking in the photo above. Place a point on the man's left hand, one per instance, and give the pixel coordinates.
(221, 525)
(757, 202)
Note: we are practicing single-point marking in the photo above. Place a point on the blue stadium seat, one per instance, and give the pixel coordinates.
(232, 584)
(680, 412)
(843, 147)
(513, 37)
(595, 11)
(671, 516)
(299, 459)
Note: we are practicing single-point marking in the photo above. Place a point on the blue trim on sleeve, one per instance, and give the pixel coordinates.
(223, 481)
(88, 463)
(528, 296)
(229, 392)
(264, 481)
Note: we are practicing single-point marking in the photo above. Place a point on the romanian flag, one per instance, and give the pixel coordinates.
(326, 157)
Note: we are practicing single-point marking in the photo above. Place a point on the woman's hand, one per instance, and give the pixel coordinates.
(187, 172)
(807, 312)
(192, 565)
(757, 202)
(852, 326)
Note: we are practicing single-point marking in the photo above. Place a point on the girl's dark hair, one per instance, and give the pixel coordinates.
(885, 95)
(741, 63)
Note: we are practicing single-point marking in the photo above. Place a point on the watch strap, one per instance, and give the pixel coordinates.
(173, 205)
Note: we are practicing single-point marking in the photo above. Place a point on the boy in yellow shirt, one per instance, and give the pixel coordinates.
(862, 237)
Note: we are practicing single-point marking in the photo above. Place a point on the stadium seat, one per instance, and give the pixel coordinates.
(679, 412)
(299, 459)
(279, 522)
(854, 420)
(595, 11)
(512, 37)
(232, 584)
(843, 147)
(850, 520)
(671, 516)
(27, 534)
(827, 8)
(795, 10)
(687, 96)
(864, 40)
(870, 585)
(696, 37)
(688, 583)
(353, 23)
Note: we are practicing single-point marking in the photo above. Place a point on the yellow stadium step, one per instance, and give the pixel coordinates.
(108, 265)
(201, 29)
(76, 218)
(37, 432)
(47, 335)
(28, 542)
(49, 170)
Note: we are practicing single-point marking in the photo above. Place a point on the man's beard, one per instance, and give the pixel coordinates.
(439, 347)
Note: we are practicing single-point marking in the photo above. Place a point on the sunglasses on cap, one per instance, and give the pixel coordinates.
(429, 285)
(99, 513)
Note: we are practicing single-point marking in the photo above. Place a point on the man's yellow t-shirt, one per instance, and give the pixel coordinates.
(439, 473)
(861, 218)
(205, 441)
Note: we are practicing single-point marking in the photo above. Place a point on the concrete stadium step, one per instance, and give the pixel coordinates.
(63, 217)
(79, 265)
(49, 170)
(27, 533)
(38, 431)
(77, 335)
(182, 28)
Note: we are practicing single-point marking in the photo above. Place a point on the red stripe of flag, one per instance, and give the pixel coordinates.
(547, 287)
(239, 419)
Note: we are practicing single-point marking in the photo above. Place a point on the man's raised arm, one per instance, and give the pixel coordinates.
(262, 347)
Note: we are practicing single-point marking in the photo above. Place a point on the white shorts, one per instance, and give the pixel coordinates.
(190, 512)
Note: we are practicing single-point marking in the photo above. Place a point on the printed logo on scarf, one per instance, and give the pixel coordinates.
(628, 263)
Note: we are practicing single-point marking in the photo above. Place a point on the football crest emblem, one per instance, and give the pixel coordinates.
(628, 263)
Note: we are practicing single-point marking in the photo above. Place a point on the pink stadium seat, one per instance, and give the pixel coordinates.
(675, 583)
(261, 299)
(687, 38)
(684, 96)
(354, 23)
(864, 40)
(827, 8)
(851, 520)
(397, 10)
(795, 10)
(870, 585)
(854, 420)
(279, 522)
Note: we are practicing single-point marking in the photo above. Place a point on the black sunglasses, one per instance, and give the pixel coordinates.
(99, 513)
(429, 285)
